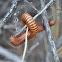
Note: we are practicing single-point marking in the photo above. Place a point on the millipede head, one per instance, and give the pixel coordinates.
(52, 22)
(33, 29)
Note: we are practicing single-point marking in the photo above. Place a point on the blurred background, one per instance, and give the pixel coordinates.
(38, 47)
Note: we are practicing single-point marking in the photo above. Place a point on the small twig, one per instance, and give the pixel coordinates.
(39, 12)
(21, 30)
(58, 46)
(9, 55)
(9, 13)
(25, 48)
(31, 5)
(46, 6)
(49, 34)
(33, 47)
(29, 52)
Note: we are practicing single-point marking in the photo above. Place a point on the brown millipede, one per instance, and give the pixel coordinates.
(33, 29)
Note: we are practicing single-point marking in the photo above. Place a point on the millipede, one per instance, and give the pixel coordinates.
(33, 29)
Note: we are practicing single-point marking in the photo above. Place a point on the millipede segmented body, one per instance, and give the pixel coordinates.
(28, 19)
(33, 29)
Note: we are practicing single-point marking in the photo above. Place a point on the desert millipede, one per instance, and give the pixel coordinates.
(33, 29)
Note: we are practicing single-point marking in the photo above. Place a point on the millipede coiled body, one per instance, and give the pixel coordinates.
(33, 29)
(28, 19)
